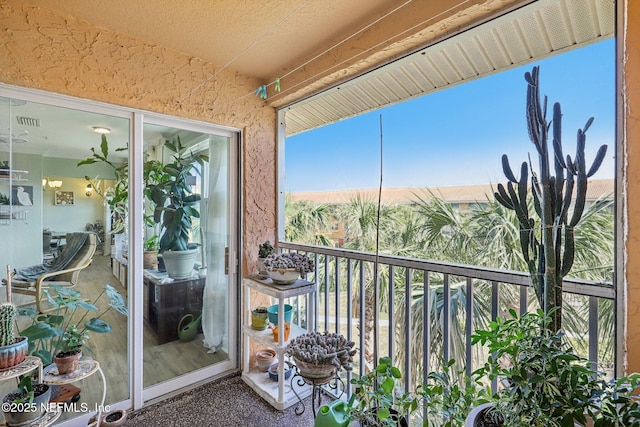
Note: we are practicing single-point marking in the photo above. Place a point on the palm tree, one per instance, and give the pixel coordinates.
(307, 222)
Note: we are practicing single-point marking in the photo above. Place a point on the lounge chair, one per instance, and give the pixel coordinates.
(63, 270)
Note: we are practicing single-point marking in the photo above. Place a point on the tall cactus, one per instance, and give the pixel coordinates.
(8, 313)
(549, 247)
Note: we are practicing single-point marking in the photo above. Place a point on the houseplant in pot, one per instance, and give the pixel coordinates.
(319, 356)
(377, 399)
(285, 268)
(150, 255)
(67, 328)
(264, 250)
(13, 350)
(25, 404)
(175, 207)
(544, 382)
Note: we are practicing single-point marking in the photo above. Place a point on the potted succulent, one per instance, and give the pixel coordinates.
(26, 403)
(264, 250)
(319, 356)
(13, 350)
(285, 268)
(57, 334)
(377, 400)
(175, 207)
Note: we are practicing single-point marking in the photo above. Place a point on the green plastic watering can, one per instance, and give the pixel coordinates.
(333, 415)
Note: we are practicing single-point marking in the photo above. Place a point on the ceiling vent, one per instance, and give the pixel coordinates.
(28, 121)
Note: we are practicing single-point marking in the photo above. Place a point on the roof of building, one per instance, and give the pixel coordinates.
(597, 188)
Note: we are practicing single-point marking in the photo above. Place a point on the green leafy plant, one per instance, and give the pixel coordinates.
(175, 202)
(544, 382)
(55, 332)
(117, 196)
(377, 399)
(265, 249)
(151, 244)
(448, 396)
(25, 392)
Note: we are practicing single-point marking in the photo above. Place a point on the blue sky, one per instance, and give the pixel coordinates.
(457, 136)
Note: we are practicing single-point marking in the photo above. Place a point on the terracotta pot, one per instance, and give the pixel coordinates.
(67, 364)
(150, 260)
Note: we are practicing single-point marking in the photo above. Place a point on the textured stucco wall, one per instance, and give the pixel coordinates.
(631, 81)
(59, 54)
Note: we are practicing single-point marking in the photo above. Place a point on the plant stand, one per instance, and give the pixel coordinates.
(86, 368)
(31, 363)
(279, 394)
(317, 384)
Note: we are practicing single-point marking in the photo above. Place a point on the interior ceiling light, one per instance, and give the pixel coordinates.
(102, 130)
(20, 139)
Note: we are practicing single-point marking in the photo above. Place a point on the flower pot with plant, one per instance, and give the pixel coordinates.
(175, 207)
(264, 250)
(25, 404)
(545, 382)
(319, 356)
(58, 333)
(285, 268)
(13, 349)
(378, 400)
(150, 255)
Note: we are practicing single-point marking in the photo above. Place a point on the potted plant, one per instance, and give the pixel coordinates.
(150, 255)
(13, 350)
(285, 268)
(319, 356)
(544, 382)
(377, 400)
(264, 250)
(175, 206)
(448, 396)
(50, 335)
(26, 403)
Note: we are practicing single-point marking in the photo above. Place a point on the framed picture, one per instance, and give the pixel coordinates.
(22, 195)
(63, 198)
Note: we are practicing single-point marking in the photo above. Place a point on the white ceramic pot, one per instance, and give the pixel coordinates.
(284, 276)
(470, 421)
(179, 264)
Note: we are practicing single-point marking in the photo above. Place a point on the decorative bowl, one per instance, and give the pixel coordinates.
(284, 276)
(265, 358)
(273, 371)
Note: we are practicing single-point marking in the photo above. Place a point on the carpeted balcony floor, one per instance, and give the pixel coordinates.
(225, 402)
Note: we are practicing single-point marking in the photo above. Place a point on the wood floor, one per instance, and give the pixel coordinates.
(110, 349)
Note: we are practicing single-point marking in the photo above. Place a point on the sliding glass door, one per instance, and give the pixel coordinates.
(187, 220)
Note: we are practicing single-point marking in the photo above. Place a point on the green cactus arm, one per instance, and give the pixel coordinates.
(506, 169)
(566, 201)
(522, 189)
(569, 251)
(597, 162)
(503, 198)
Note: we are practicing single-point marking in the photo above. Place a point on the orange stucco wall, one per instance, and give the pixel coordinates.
(631, 93)
(58, 54)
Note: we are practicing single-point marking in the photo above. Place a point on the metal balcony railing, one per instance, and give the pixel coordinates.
(424, 312)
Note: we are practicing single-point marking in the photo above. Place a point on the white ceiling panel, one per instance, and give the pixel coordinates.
(540, 29)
